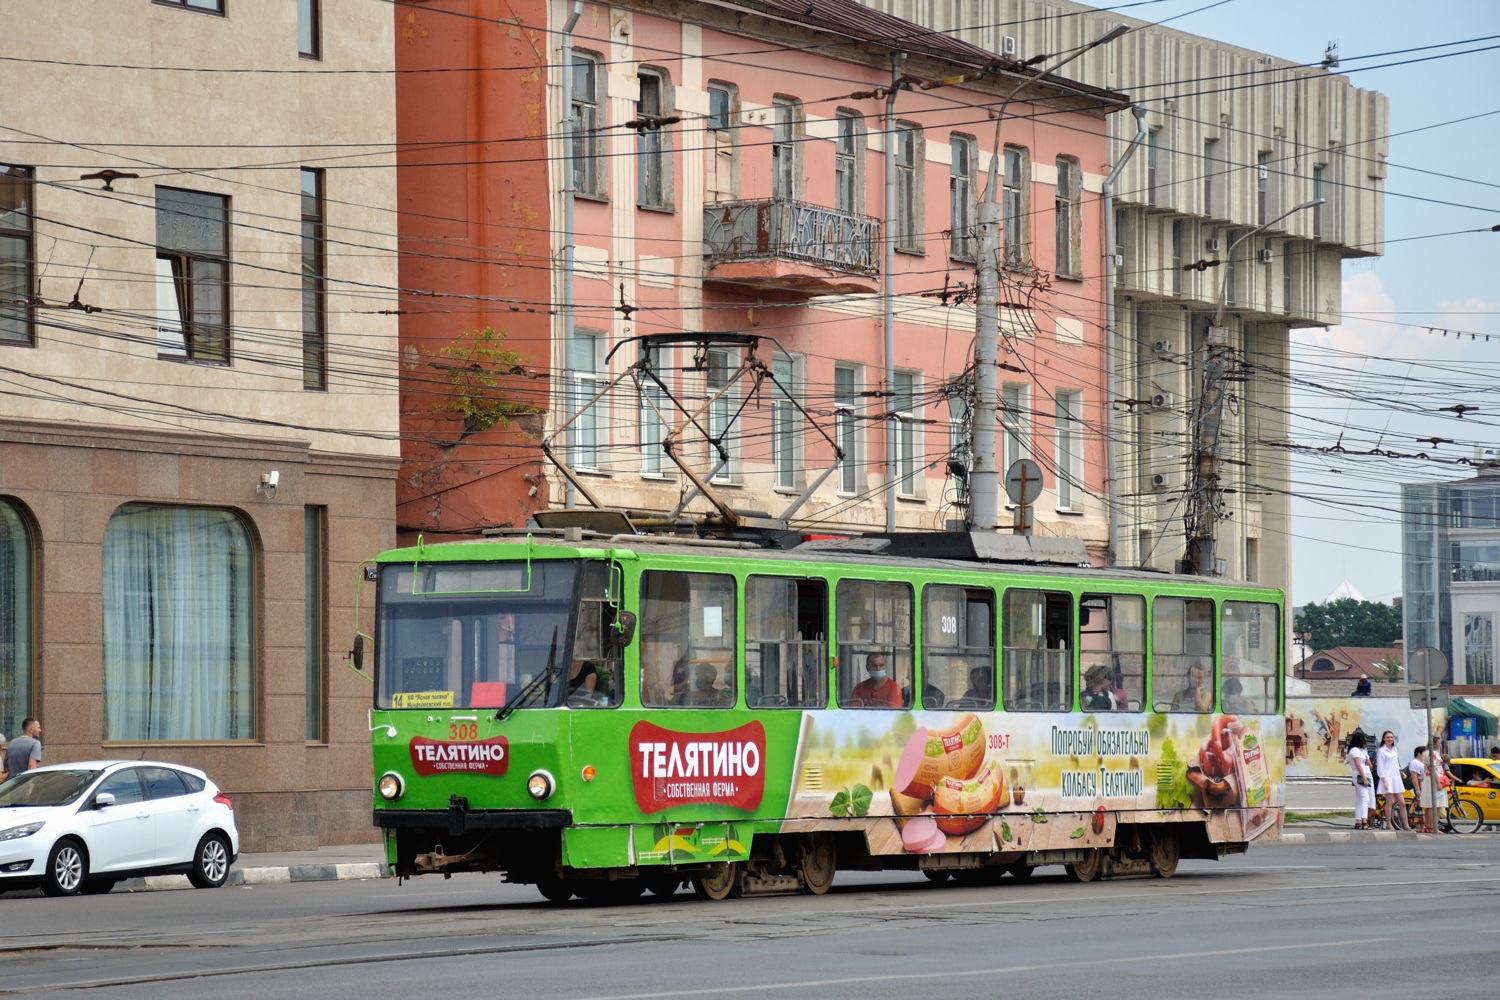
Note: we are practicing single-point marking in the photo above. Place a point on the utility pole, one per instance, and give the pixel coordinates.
(1208, 413)
(984, 474)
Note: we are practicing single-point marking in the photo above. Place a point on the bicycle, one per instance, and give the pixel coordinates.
(1460, 815)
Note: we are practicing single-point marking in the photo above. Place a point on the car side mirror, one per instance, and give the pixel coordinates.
(104, 799)
(623, 634)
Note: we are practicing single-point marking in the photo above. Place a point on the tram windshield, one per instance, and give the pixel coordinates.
(474, 635)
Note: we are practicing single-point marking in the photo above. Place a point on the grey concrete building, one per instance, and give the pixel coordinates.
(1233, 139)
(198, 425)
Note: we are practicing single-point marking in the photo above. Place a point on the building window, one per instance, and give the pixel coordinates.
(314, 618)
(192, 275)
(211, 6)
(17, 588)
(1176, 256)
(1153, 163)
(906, 406)
(653, 149)
(848, 162)
(784, 423)
(1210, 177)
(1479, 648)
(909, 212)
(1069, 230)
(1016, 205)
(1015, 423)
(1262, 184)
(650, 427)
(962, 156)
(1121, 219)
(846, 409)
(1069, 449)
(587, 382)
(179, 613)
(960, 448)
(723, 102)
(786, 152)
(17, 238)
(314, 282)
(1317, 210)
(587, 126)
(310, 29)
(721, 413)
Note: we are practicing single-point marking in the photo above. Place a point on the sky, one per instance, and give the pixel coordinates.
(1383, 376)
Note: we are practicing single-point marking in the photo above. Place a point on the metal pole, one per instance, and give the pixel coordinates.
(892, 472)
(984, 476)
(1110, 338)
(569, 193)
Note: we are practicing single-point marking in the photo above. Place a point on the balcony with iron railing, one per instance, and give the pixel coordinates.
(790, 246)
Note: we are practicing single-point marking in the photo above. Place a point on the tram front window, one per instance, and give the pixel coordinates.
(462, 635)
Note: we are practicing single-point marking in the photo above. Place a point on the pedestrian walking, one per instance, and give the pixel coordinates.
(25, 751)
(1420, 776)
(1388, 779)
(1364, 785)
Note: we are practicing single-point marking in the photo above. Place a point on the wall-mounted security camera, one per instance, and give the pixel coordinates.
(268, 483)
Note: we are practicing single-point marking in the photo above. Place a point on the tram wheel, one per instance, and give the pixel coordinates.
(721, 882)
(937, 874)
(1021, 871)
(819, 863)
(1165, 853)
(663, 885)
(1087, 871)
(554, 889)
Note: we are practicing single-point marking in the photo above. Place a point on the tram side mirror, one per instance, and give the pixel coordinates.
(623, 634)
(357, 654)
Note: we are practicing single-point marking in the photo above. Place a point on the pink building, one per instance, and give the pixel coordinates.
(731, 176)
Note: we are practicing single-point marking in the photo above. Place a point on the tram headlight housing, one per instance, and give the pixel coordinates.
(390, 786)
(540, 785)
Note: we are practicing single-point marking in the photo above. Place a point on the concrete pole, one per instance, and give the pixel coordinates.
(569, 192)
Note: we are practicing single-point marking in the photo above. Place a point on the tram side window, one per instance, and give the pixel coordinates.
(1251, 636)
(687, 640)
(594, 678)
(1112, 652)
(958, 647)
(1038, 665)
(874, 644)
(786, 642)
(1182, 655)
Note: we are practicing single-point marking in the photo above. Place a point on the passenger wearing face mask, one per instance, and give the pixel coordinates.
(705, 693)
(877, 690)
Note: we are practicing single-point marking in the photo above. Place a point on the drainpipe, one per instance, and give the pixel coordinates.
(898, 61)
(1111, 463)
(569, 193)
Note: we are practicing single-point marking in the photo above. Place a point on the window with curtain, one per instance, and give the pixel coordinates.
(179, 612)
(16, 596)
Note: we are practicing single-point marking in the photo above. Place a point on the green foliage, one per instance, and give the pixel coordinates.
(851, 801)
(1347, 622)
(473, 366)
(1173, 790)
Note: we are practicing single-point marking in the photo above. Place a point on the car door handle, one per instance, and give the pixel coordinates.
(142, 815)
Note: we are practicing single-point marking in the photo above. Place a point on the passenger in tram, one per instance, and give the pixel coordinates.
(1235, 701)
(705, 692)
(1097, 696)
(980, 688)
(1196, 696)
(877, 690)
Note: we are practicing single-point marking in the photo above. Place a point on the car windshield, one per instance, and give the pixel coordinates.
(46, 788)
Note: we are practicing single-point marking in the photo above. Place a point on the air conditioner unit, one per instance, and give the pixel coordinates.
(1266, 256)
(1263, 171)
(1161, 400)
(1161, 481)
(1008, 46)
(1214, 245)
(1162, 347)
(1119, 260)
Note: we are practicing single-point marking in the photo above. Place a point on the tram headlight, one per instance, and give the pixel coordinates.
(390, 786)
(540, 785)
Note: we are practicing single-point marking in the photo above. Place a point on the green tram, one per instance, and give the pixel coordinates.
(601, 715)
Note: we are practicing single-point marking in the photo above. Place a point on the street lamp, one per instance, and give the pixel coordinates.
(1208, 407)
(984, 471)
(1304, 639)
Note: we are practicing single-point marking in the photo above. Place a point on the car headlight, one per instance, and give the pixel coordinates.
(17, 832)
(540, 785)
(390, 785)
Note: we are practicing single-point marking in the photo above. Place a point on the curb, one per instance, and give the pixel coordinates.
(269, 875)
(1345, 836)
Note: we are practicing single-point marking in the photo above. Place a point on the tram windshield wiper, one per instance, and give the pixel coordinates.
(545, 677)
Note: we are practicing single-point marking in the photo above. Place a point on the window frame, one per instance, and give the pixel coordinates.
(849, 161)
(692, 635)
(1210, 177)
(911, 156)
(889, 635)
(1113, 655)
(906, 423)
(654, 189)
(1015, 207)
(963, 153)
(587, 122)
(18, 623)
(585, 447)
(1165, 646)
(201, 6)
(24, 180)
(1043, 631)
(185, 283)
(314, 279)
(310, 23)
(719, 368)
(1015, 422)
(1067, 205)
(847, 426)
(1239, 663)
(1153, 164)
(723, 145)
(787, 124)
(315, 621)
(975, 657)
(786, 443)
(1068, 419)
(811, 691)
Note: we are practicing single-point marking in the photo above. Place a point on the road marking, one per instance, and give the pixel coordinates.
(810, 984)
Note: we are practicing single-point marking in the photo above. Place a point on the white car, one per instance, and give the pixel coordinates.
(82, 827)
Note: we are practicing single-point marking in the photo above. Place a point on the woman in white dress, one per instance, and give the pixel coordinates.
(1388, 780)
(1364, 785)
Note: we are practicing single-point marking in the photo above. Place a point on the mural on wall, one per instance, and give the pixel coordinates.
(1317, 730)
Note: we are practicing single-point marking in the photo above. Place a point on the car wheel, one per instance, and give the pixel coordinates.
(210, 862)
(98, 886)
(67, 869)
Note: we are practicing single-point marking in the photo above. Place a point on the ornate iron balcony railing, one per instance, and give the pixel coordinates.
(747, 230)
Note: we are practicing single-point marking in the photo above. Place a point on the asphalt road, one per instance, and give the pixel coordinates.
(1403, 919)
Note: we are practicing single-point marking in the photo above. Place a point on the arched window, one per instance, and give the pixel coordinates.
(179, 608)
(16, 602)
